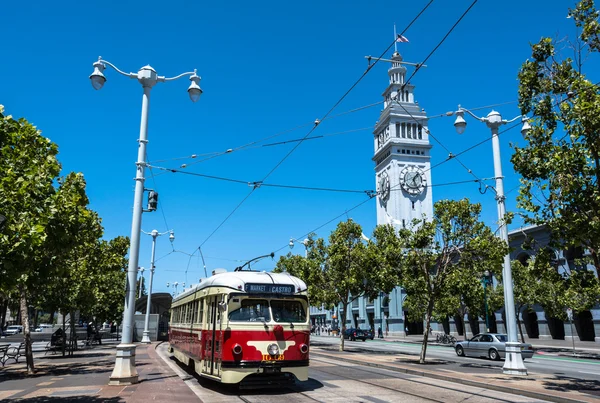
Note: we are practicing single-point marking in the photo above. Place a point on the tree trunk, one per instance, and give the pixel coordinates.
(51, 320)
(3, 309)
(26, 332)
(426, 332)
(343, 327)
(462, 321)
(73, 331)
(64, 340)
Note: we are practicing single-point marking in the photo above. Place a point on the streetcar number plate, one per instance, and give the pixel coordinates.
(269, 357)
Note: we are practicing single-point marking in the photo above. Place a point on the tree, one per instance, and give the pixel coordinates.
(29, 166)
(526, 289)
(444, 255)
(47, 226)
(336, 273)
(560, 165)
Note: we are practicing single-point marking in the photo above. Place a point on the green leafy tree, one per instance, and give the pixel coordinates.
(28, 167)
(444, 255)
(526, 289)
(336, 273)
(560, 165)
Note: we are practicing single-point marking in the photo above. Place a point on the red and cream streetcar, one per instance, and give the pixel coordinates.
(243, 326)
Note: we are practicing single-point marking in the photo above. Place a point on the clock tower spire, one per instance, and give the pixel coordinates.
(402, 152)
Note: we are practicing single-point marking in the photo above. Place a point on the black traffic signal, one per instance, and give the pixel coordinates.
(152, 200)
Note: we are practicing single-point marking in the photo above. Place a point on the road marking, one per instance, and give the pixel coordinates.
(591, 373)
(545, 357)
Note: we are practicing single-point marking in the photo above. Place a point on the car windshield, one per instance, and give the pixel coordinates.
(288, 311)
(502, 337)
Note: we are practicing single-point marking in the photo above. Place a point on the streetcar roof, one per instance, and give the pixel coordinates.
(237, 281)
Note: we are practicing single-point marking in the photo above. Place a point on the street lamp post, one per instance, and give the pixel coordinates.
(305, 243)
(125, 372)
(381, 327)
(141, 270)
(154, 234)
(486, 280)
(174, 284)
(513, 363)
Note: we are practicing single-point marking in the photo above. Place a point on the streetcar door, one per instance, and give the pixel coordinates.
(211, 334)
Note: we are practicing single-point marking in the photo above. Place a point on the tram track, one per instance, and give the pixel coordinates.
(376, 384)
(374, 371)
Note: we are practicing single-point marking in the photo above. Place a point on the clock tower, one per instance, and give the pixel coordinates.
(402, 153)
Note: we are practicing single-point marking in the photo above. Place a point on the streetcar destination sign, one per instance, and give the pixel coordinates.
(270, 288)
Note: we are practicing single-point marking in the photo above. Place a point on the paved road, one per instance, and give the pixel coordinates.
(336, 381)
(544, 364)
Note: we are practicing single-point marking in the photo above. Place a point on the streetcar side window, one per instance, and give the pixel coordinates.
(288, 311)
(252, 310)
(201, 311)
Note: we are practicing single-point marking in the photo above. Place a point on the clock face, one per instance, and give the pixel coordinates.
(384, 187)
(413, 180)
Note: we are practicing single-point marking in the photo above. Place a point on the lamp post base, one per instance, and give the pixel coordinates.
(125, 372)
(513, 364)
(146, 337)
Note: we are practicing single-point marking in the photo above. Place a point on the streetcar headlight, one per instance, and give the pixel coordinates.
(273, 349)
(303, 348)
(237, 349)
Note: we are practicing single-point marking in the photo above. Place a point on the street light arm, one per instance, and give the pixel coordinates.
(512, 120)
(130, 75)
(471, 113)
(163, 78)
(159, 233)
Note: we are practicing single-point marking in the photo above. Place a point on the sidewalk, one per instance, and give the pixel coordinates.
(84, 377)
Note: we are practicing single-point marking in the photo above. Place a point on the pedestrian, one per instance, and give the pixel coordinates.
(90, 334)
(380, 333)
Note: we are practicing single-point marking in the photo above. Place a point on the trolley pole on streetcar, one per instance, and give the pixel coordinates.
(125, 372)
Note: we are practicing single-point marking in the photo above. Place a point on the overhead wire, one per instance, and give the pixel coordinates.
(317, 122)
(254, 144)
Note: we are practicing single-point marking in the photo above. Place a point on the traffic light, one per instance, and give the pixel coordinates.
(152, 200)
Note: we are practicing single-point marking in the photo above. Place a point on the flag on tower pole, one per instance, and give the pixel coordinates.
(401, 38)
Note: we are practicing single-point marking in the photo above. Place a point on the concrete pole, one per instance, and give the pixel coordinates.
(513, 363)
(125, 372)
(146, 335)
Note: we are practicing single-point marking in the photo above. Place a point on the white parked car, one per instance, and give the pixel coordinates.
(13, 329)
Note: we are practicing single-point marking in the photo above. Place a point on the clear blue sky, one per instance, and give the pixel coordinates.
(267, 67)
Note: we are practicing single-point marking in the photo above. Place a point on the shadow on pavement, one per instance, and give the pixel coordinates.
(66, 399)
(58, 369)
(565, 384)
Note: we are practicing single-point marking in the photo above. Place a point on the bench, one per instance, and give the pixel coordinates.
(13, 353)
(3, 353)
(55, 344)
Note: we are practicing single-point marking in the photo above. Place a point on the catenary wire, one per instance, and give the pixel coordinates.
(254, 144)
(369, 68)
(418, 67)
(214, 154)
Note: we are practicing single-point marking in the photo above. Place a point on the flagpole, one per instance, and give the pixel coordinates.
(395, 39)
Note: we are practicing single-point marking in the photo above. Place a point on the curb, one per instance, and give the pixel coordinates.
(429, 374)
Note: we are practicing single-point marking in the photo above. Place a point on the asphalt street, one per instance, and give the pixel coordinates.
(576, 368)
(334, 380)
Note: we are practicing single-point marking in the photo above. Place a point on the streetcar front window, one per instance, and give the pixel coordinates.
(252, 310)
(288, 311)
